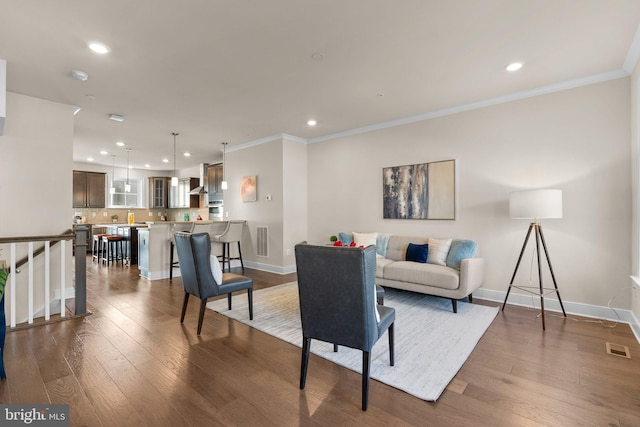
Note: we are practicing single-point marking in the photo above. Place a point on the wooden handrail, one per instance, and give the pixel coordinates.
(56, 238)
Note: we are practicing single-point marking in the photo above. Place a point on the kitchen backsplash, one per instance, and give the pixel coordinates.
(103, 216)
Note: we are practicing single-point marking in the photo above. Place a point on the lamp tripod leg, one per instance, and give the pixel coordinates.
(537, 228)
(553, 276)
(524, 246)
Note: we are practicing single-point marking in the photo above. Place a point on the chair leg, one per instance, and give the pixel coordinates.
(392, 350)
(454, 303)
(171, 262)
(184, 306)
(470, 298)
(366, 362)
(304, 364)
(229, 300)
(250, 296)
(203, 306)
(335, 348)
(240, 256)
(224, 256)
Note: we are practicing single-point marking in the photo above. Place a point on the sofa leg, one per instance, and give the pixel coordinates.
(470, 298)
(454, 303)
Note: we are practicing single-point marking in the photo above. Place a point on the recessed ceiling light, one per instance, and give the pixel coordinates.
(514, 66)
(104, 152)
(312, 122)
(147, 165)
(79, 75)
(116, 117)
(165, 160)
(90, 159)
(187, 154)
(98, 48)
(120, 144)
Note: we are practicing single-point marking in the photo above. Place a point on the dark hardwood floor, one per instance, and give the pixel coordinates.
(132, 363)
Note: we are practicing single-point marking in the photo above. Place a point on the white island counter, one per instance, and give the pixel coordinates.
(154, 248)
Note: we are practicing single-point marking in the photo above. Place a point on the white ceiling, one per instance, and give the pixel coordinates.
(242, 70)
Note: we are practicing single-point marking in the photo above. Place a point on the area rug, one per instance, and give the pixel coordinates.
(432, 343)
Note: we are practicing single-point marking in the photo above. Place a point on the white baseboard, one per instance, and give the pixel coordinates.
(579, 309)
(271, 268)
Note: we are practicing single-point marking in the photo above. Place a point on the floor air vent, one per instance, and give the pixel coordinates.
(262, 241)
(618, 350)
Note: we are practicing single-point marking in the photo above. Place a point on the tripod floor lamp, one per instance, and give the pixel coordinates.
(535, 205)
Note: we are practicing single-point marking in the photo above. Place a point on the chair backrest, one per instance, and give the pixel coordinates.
(233, 233)
(180, 226)
(200, 228)
(195, 264)
(336, 287)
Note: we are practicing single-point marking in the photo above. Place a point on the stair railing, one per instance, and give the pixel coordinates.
(79, 238)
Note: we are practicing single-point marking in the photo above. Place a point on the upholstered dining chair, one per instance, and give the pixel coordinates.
(194, 256)
(338, 304)
(232, 234)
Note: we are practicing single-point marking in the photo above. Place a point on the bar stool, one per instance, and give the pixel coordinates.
(232, 234)
(110, 246)
(187, 227)
(96, 248)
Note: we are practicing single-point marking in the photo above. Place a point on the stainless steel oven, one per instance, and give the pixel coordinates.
(216, 210)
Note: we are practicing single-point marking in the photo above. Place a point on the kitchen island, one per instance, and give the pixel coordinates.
(154, 248)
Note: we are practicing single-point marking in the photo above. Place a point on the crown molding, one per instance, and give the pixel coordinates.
(542, 90)
(633, 54)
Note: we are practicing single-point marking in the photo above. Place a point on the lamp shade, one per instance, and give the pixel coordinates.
(535, 204)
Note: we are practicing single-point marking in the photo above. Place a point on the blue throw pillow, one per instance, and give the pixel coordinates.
(417, 253)
(460, 249)
(345, 238)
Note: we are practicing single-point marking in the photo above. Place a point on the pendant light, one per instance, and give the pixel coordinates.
(112, 190)
(224, 166)
(174, 178)
(127, 186)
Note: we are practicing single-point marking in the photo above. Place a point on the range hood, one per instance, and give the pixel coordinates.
(202, 188)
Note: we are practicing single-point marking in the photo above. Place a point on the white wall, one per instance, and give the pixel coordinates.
(36, 180)
(635, 184)
(576, 140)
(295, 213)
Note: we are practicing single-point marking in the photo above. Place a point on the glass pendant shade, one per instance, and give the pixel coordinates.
(224, 185)
(174, 181)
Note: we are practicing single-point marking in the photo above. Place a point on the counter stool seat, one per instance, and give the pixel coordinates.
(112, 250)
(233, 234)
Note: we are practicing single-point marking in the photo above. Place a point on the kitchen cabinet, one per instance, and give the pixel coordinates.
(88, 189)
(214, 179)
(179, 196)
(158, 192)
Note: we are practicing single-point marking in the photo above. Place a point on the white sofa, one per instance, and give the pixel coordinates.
(463, 274)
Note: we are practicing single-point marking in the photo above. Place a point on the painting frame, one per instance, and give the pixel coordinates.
(420, 191)
(248, 188)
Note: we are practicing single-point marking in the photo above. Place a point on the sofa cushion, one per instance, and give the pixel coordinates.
(438, 251)
(417, 253)
(423, 274)
(365, 239)
(460, 249)
(397, 246)
(381, 263)
(345, 238)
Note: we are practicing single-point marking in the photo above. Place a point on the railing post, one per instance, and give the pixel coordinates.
(81, 269)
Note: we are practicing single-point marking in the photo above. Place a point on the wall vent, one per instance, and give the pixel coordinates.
(262, 241)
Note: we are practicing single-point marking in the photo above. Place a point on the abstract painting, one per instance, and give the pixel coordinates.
(423, 191)
(248, 188)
